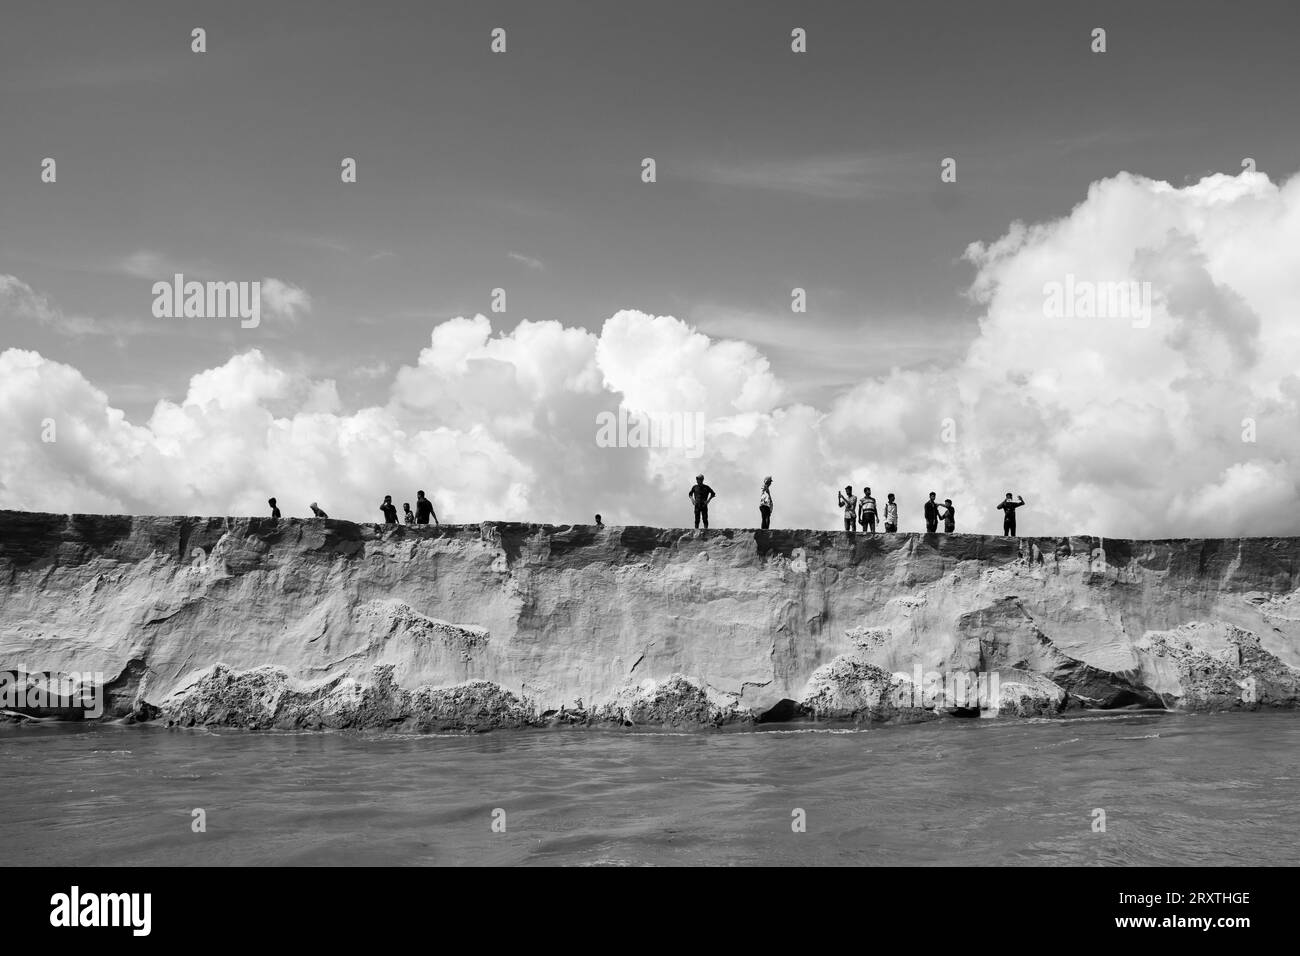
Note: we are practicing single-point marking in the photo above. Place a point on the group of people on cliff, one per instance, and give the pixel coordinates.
(859, 511)
(421, 515)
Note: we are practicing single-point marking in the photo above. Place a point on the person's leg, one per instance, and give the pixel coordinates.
(871, 523)
(765, 515)
(697, 516)
(704, 516)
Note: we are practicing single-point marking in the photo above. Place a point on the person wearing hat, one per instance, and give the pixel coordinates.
(765, 502)
(700, 495)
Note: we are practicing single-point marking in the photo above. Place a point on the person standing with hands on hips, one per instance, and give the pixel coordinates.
(700, 495)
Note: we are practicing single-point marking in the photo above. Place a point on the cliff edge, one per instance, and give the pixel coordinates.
(319, 623)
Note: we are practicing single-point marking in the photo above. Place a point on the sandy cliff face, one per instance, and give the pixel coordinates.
(324, 623)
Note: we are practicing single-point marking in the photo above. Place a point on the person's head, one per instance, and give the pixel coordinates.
(271, 502)
(699, 477)
(932, 496)
(314, 505)
(597, 519)
(891, 496)
(767, 481)
(947, 501)
(406, 506)
(419, 494)
(848, 489)
(1008, 496)
(866, 491)
(388, 499)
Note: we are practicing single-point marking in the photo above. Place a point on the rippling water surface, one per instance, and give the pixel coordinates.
(1176, 789)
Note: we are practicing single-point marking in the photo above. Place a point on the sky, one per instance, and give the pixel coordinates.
(926, 358)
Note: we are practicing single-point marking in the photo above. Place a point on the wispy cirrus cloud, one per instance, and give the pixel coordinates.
(535, 264)
(822, 177)
(19, 302)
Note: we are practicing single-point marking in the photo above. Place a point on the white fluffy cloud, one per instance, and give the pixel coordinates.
(1105, 425)
(284, 298)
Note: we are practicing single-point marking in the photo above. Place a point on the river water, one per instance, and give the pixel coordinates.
(1175, 789)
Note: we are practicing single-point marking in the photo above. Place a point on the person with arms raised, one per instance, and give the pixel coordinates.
(1008, 509)
(850, 505)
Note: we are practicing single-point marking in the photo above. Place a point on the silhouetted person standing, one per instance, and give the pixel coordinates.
(407, 513)
(949, 516)
(315, 510)
(599, 523)
(765, 503)
(389, 509)
(1008, 509)
(275, 512)
(931, 515)
(700, 495)
(424, 510)
(850, 505)
(868, 506)
(891, 515)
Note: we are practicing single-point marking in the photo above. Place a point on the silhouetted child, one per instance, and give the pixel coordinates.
(949, 516)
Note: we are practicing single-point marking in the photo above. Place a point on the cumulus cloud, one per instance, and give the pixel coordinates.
(1181, 421)
(284, 299)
